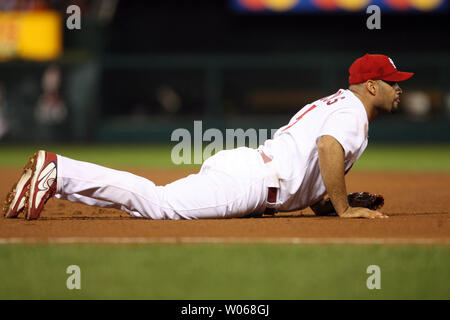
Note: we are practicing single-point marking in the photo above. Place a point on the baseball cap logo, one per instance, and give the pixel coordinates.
(392, 62)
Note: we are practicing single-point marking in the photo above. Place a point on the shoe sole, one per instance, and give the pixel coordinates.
(17, 193)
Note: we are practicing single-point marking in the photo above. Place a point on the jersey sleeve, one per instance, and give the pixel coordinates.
(347, 129)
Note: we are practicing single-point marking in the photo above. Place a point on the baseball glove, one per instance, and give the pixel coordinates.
(357, 199)
(366, 199)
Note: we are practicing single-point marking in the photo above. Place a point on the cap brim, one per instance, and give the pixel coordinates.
(398, 76)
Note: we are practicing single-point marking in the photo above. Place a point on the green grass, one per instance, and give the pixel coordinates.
(224, 272)
(376, 157)
(405, 158)
(108, 155)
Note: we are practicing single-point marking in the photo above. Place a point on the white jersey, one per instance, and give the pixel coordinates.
(293, 148)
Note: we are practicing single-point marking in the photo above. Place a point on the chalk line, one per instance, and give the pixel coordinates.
(221, 240)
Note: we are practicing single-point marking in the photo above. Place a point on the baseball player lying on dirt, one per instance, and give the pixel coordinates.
(306, 160)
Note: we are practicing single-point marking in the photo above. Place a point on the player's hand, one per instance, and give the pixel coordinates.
(360, 212)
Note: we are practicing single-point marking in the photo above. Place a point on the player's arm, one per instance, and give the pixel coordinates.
(331, 163)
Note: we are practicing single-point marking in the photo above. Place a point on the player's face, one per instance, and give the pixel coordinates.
(391, 92)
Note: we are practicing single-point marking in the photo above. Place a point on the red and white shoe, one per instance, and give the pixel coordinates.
(15, 200)
(42, 185)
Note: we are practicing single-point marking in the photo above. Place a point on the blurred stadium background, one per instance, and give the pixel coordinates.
(137, 70)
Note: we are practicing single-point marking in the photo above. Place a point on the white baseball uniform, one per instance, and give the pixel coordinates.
(232, 183)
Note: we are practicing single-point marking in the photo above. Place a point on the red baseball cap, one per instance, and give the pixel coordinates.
(375, 67)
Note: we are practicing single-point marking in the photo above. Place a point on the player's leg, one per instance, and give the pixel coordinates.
(229, 184)
(99, 203)
(20, 192)
(95, 185)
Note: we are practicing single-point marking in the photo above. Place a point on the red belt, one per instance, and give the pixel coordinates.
(271, 191)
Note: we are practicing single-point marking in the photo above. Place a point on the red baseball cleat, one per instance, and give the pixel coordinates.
(15, 199)
(43, 183)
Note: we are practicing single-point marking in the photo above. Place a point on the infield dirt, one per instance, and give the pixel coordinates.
(415, 202)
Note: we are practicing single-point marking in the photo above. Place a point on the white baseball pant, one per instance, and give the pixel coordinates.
(232, 183)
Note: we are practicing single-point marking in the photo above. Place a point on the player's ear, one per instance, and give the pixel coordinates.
(372, 87)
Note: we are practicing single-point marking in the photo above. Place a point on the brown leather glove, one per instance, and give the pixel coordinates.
(356, 199)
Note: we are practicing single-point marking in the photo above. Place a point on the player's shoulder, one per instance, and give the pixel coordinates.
(342, 100)
(343, 107)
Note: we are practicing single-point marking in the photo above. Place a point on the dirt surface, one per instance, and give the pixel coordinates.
(416, 203)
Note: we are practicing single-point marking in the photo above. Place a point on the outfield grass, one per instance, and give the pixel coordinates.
(405, 158)
(108, 155)
(376, 157)
(224, 272)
